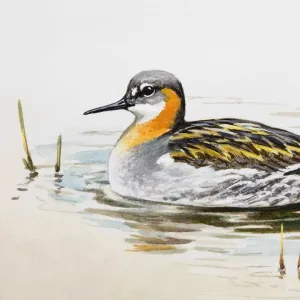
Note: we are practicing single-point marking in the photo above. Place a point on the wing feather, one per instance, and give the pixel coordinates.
(232, 143)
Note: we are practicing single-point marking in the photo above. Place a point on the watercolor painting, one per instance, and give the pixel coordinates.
(150, 150)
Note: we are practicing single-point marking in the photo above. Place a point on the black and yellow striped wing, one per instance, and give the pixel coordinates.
(233, 143)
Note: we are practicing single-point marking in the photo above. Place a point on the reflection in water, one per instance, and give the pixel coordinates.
(24, 186)
(57, 183)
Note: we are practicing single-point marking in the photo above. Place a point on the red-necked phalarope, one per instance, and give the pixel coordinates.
(217, 162)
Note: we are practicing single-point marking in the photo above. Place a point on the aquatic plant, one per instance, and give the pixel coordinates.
(282, 269)
(58, 154)
(28, 163)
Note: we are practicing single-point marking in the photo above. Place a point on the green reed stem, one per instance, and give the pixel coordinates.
(58, 155)
(28, 163)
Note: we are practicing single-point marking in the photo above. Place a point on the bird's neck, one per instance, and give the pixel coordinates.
(140, 133)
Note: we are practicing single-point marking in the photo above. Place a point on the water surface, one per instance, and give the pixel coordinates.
(239, 245)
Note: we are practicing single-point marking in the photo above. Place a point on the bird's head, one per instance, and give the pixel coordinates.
(151, 95)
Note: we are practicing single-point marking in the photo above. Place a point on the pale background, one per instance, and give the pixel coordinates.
(64, 57)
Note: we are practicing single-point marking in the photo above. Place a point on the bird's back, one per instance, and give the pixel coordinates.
(234, 144)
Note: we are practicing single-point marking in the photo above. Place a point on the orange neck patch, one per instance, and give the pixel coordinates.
(138, 134)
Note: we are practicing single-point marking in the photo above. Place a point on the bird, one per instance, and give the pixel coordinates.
(225, 162)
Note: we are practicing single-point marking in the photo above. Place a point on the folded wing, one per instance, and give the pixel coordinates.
(234, 143)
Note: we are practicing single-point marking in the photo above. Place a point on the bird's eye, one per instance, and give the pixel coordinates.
(147, 91)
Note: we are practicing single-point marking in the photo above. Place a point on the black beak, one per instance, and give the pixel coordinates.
(121, 104)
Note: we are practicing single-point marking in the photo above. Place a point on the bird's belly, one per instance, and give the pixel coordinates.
(165, 180)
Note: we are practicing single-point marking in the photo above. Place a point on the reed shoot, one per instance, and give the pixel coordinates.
(28, 163)
(282, 269)
(58, 155)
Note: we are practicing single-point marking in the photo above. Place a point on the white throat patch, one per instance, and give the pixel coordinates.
(146, 112)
